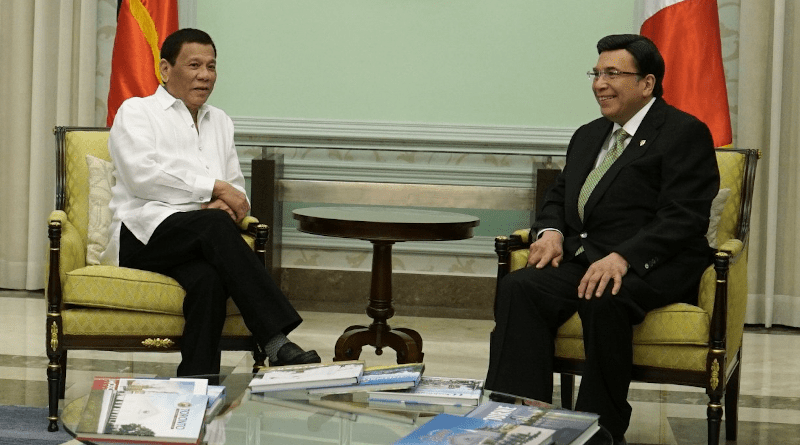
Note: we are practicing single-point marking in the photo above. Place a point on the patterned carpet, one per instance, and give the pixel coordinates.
(28, 425)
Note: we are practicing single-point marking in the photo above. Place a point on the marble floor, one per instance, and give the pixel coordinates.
(769, 406)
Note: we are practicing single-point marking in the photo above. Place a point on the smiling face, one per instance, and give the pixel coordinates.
(621, 98)
(192, 77)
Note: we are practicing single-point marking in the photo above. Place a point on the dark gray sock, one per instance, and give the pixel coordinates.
(275, 343)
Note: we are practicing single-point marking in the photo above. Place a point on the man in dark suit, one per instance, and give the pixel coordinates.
(621, 232)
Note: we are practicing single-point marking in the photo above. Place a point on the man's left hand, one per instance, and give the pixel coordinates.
(220, 204)
(594, 281)
(235, 200)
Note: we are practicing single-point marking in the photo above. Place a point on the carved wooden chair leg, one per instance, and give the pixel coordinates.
(567, 390)
(62, 383)
(714, 413)
(53, 385)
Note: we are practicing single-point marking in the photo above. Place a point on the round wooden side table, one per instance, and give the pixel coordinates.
(383, 226)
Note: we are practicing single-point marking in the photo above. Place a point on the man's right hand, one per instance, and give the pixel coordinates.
(548, 249)
(232, 197)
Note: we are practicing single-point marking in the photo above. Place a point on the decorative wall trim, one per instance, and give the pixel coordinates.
(479, 246)
(465, 155)
(336, 170)
(401, 136)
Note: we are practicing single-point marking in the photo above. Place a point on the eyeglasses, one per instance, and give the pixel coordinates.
(608, 74)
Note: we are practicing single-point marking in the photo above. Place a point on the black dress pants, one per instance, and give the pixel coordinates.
(531, 305)
(203, 251)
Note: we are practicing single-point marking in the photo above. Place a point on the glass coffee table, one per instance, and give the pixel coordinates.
(294, 418)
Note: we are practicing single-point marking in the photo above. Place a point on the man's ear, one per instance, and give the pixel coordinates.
(650, 84)
(164, 68)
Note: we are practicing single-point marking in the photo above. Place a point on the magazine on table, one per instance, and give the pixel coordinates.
(104, 388)
(176, 385)
(308, 376)
(442, 390)
(172, 385)
(569, 427)
(449, 429)
(379, 378)
(145, 417)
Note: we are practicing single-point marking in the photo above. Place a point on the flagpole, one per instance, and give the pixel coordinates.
(774, 158)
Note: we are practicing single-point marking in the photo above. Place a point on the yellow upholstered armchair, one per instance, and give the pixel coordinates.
(90, 306)
(682, 344)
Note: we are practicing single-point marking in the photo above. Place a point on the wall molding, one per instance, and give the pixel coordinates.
(502, 141)
(401, 136)
(337, 170)
(478, 246)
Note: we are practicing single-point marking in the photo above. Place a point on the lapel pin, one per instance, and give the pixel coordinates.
(642, 142)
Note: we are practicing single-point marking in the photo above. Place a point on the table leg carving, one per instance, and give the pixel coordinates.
(406, 343)
(415, 336)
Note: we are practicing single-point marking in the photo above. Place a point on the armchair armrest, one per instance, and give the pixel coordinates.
(504, 247)
(256, 235)
(524, 238)
(66, 253)
(734, 247)
(71, 251)
(245, 224)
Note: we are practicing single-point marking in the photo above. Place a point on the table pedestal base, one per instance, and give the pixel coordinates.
(407, 343)
(383, 227)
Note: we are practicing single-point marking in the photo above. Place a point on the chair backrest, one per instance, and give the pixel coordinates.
(72, 172)
(737, 173)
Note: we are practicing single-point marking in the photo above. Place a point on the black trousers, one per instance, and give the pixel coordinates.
(203, 251)
(531, 305)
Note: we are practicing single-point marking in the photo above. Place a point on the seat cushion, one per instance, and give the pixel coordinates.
(111, 287)
(676, 324)
(675, 336)
(88, 321)
(686, 357)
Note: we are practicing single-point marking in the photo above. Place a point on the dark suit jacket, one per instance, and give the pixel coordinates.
(652, 205)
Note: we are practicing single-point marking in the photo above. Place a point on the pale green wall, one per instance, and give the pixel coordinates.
(487, 62)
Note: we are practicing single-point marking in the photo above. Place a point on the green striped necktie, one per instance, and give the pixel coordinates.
(595, 175)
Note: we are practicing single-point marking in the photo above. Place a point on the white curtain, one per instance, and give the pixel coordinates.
(769, 119)
(48, 49)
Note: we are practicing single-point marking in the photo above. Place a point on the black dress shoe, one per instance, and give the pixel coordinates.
(291, 354)
(503, 398)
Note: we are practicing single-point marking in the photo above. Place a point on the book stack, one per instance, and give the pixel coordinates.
(305, 377)
(498, 422)
(433, 391)
(378, 378)
(393, 387)
(145, 410)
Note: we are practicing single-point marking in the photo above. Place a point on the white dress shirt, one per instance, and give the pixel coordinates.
(163, 165)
